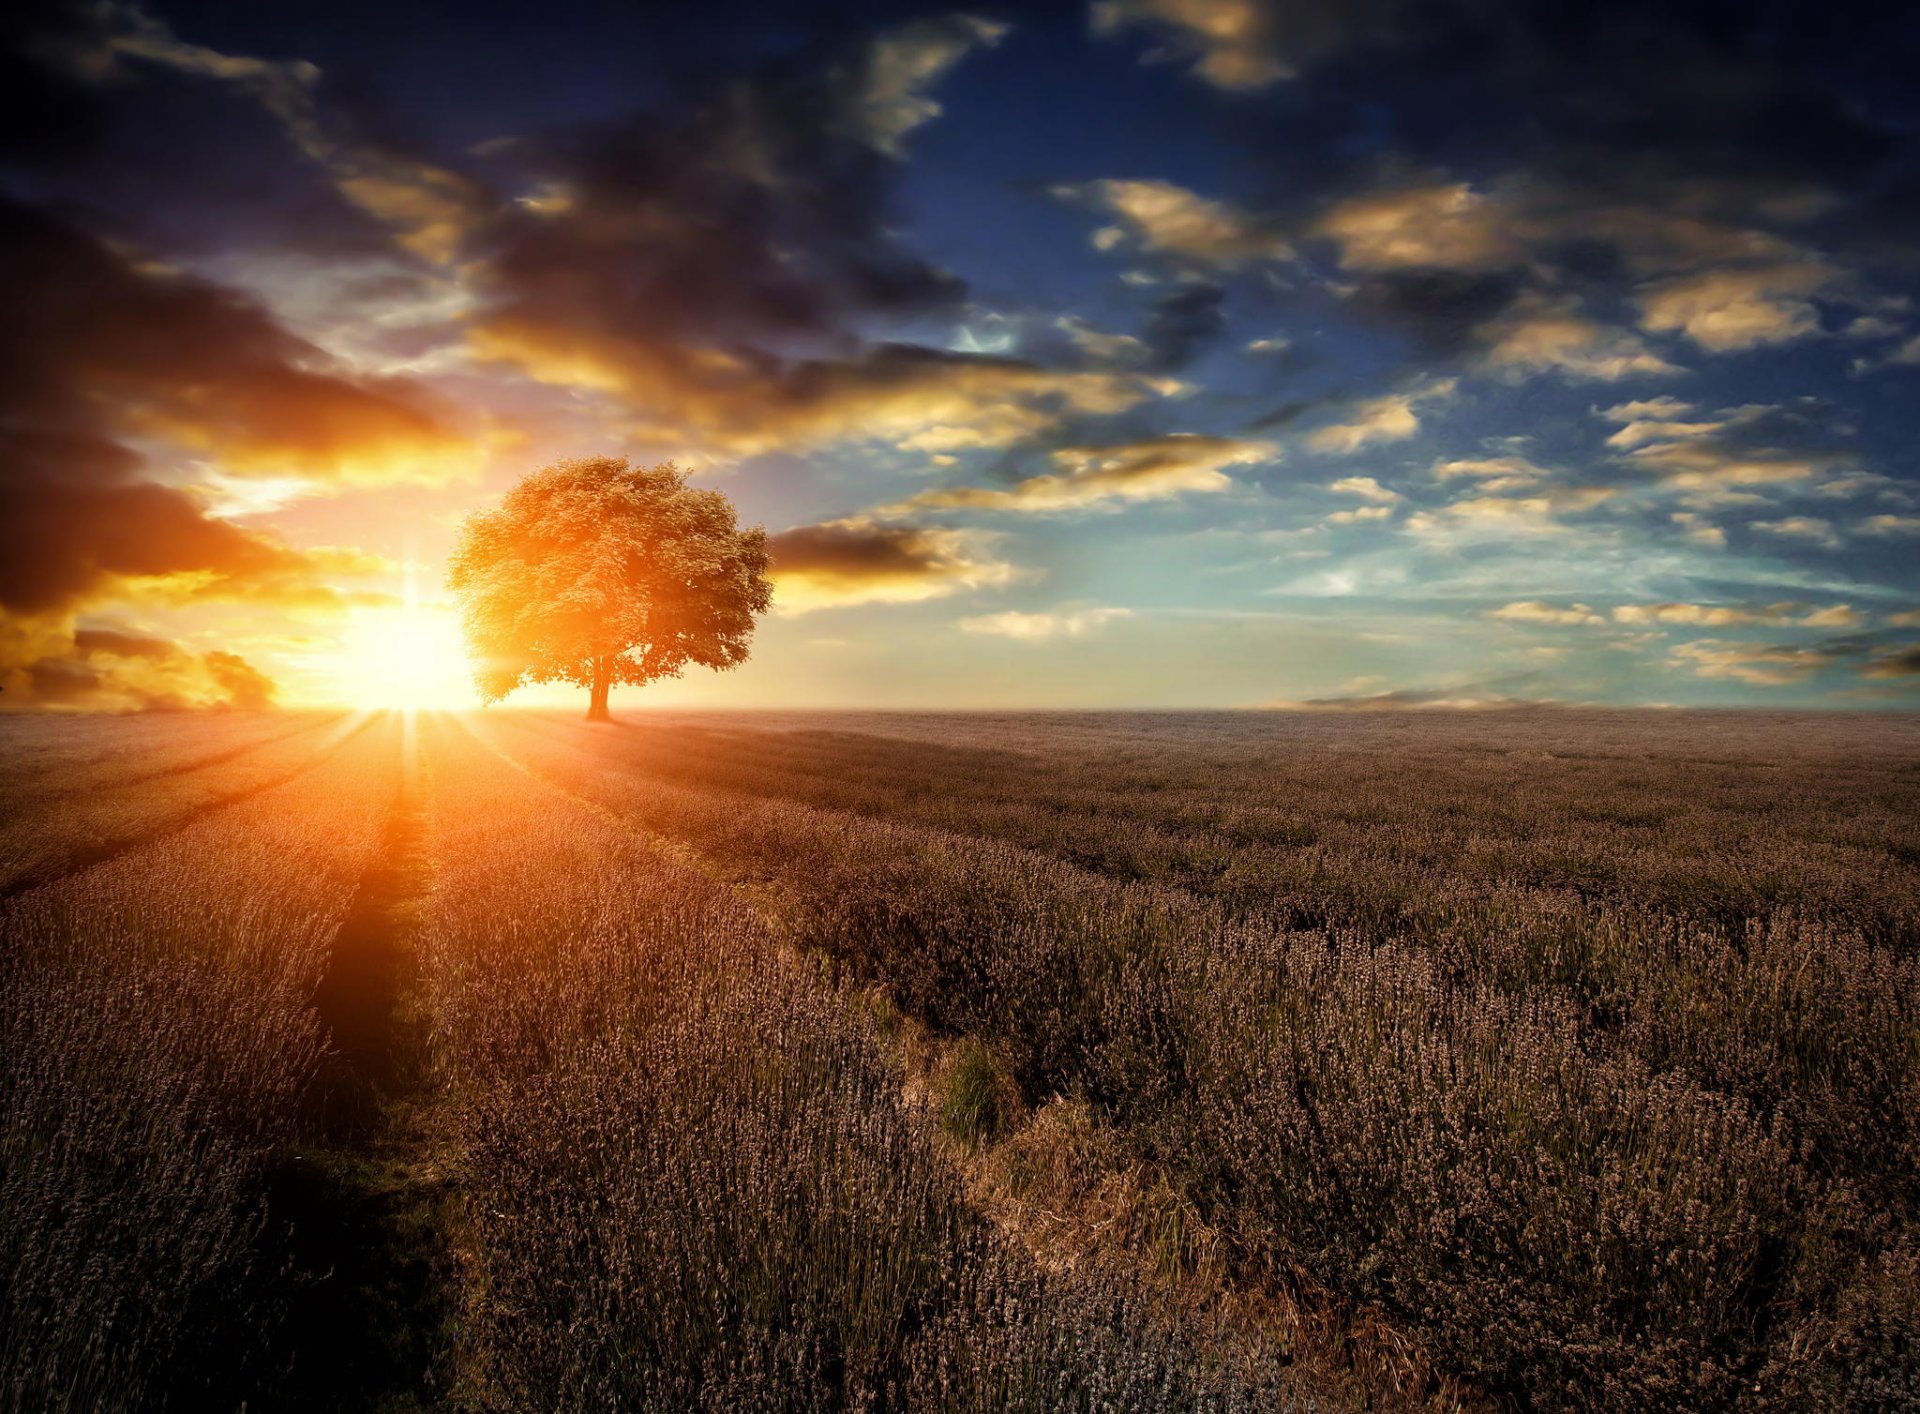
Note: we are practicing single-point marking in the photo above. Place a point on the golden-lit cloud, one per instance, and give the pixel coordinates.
(1148, 469)
(1740, 447)
(125, 347)
(923, 399)
(431, 209)
(1699, 529)
(1735, 615)
(1240, 45)
(1724, 310)
(1482, 515)
(1043, 627)
(1532, 611)
(1547, 336)
(1365, 487)
(903, 63)
(1392, 417)
(1812, 528)
(1765, 666)
(1493, 475)
(1655, 420)
(109, 668)
(1445, 226)
(1360, 515)
(857, 561)
(1170, 220)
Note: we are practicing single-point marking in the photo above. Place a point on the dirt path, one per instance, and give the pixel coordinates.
(366, 1324)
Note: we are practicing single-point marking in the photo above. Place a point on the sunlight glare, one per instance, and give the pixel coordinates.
(406, 655)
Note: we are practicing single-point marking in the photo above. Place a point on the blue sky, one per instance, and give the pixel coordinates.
(1158, 353)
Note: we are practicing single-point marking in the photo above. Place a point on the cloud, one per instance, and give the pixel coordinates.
(1183, 323)
(1479, 516)
(1494, 474)
(1699, 530)
(1044, 627)
(902, 64)
(1765, 666)
(856, 561)
(1532, 611)
(724, 269)
(1812, 528)
(77, 524)
(1240, 45)
(1755, 445)
(1835, 616)
(1360, 515)
(1726, 310)
(1389, 418)
(1364, 487)
(1734, 615)
(923, 399)
(432, 209)
(1902, 662)
(1102, 347)
(108, 668)
(1890, 525)
(1546, 336)
(1905, 355)
(1660, 409)
(96, 341)
(1445, 226)
(1170, 220)
(1147, 469)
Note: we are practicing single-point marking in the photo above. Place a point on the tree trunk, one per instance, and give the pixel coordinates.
(602, 682)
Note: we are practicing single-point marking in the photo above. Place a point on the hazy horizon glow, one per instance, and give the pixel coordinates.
(1203, 354)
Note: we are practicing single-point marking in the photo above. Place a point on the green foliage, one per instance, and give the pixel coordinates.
(974, 1100)
(597, 573)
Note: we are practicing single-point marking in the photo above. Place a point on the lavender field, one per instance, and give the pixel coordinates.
(1511, 1059)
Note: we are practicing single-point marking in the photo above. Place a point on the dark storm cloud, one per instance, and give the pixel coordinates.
(48, 113)
(760, 211)
(113, 669)
(116, 643)
(92, 339)
(860, 561)
(1902, 662)
(723, 264)
(97, 346)
(1441, 310)
(1183, 323)
(74, 522)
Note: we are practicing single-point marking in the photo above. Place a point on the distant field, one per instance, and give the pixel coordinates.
(1553, 1059)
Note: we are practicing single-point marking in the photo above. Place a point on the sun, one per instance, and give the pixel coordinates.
(405, 655)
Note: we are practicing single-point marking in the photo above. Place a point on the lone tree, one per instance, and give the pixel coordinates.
(596, 572)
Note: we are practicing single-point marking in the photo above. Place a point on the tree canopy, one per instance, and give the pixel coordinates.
(597, 572)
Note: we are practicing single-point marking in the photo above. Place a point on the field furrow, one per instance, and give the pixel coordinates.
(694, 1180)
(56, 835)
(1440, 1114)
(70, 753)
(159, 1041)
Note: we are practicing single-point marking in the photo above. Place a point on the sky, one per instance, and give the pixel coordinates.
(1147, 353)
